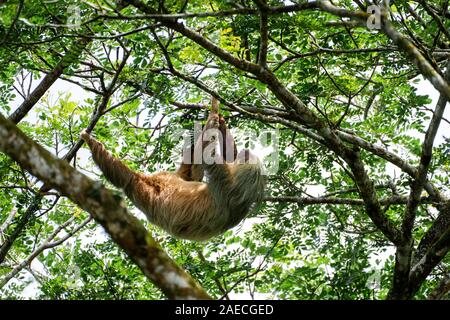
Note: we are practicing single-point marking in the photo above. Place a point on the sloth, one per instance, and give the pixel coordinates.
(180, 202)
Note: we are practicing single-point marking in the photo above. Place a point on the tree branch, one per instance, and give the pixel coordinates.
(334, 200)
(69, 58)
(264, 32)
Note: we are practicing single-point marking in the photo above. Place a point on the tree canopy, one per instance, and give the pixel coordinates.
(356, 91)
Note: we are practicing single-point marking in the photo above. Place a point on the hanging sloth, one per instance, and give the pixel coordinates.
(180, 202)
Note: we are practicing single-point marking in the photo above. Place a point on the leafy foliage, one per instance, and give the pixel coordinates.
(284, 250)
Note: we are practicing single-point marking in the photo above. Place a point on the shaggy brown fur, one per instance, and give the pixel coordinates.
(178, 201)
